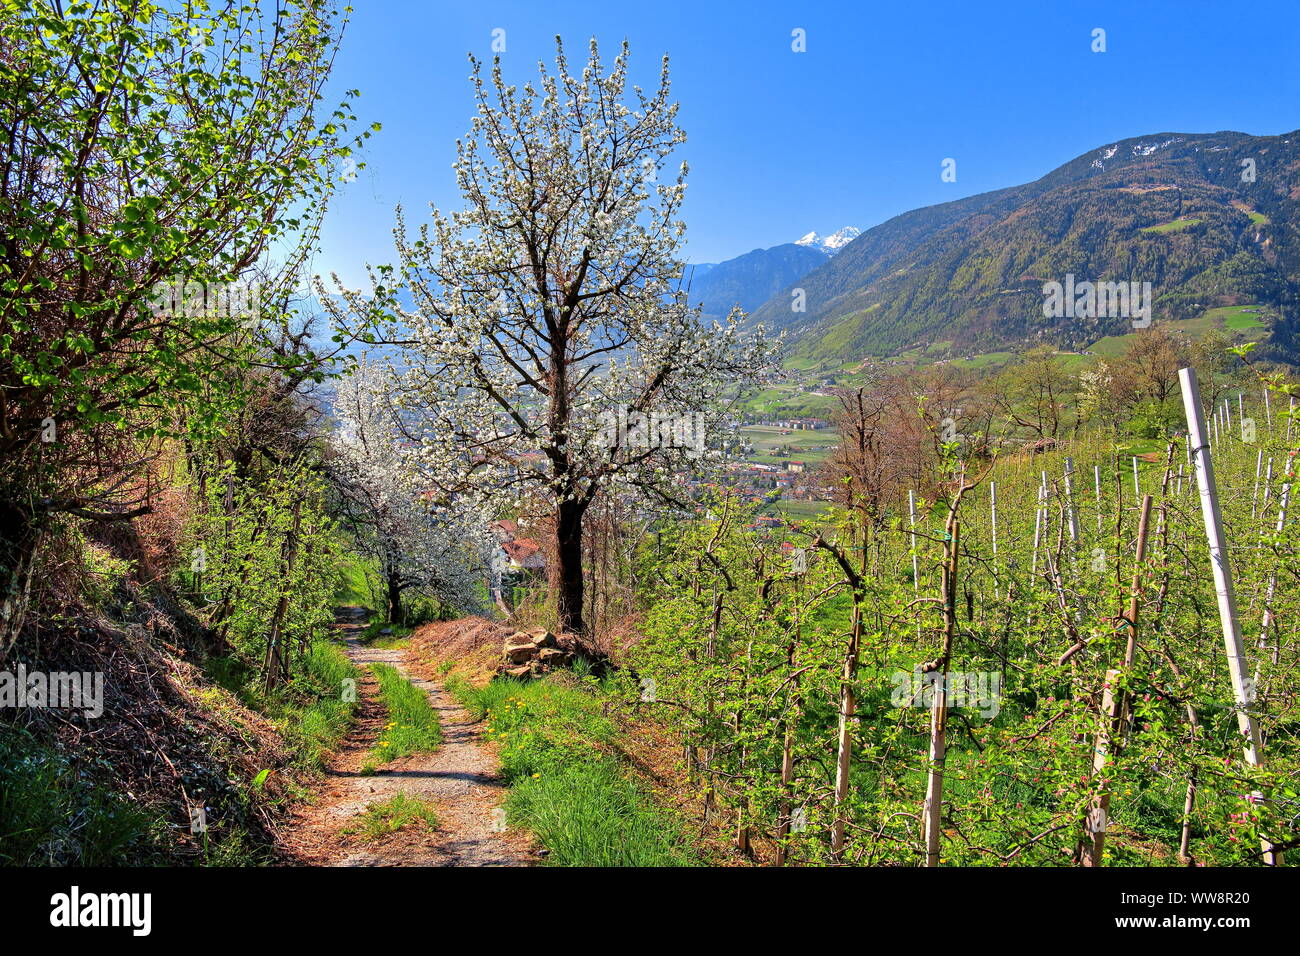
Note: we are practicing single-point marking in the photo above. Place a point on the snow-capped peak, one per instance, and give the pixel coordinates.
(838, 240)
(832, 243)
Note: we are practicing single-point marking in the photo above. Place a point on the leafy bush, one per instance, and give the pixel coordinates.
(317, 728)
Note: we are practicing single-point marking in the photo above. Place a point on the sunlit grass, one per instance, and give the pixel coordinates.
(412, 725)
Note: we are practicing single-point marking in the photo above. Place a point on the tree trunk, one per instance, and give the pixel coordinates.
(18, 550)
(791, 722)
(567, 577)
(277, 651)
(1115, 708)
(394, 610)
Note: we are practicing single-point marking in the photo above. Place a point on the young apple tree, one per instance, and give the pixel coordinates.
(551, 354)
(157, 158)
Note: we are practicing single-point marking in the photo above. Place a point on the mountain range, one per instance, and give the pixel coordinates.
(751, 279)
(1209, 220)
(830, 244)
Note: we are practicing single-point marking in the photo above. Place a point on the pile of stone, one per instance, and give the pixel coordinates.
(533, 653)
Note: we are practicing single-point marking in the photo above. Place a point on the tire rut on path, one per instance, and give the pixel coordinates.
(459, 778)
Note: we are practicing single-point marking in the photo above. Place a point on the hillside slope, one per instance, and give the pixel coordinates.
(1171, 209)
(751, 279)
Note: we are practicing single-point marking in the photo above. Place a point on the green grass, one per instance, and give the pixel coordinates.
(358, 579)
(1177, 225)
(986, 360)
(316, 729)
(1256, 218)
(412, 726)
(312, 712)
(1237, 317)
(56, 810)
(1111, 346)
(1234, 318)
(800, 509)
(53, 813)
(397, 640)
(387, 817)
(1140, 446)
(1073, 362)
(786, 401)
(812, 447)
(566, 785)
(766, 437)
(593, 815)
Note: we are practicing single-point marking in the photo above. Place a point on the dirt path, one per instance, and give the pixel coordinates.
(460, 779)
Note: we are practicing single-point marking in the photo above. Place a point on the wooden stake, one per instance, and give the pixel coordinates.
(848, 707)
(916, 572)
(1254, 495)
(1096, 484)
(791, 728)
(933, 810)
(911, 511)
(1040, 513)
(1072, 522)
(1272, 576)
(993, 521)
(1114, 707)
(1227, 598)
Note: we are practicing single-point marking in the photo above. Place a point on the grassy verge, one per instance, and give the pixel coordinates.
(412, 726)
(52, 813)
(55, 810)
(396, 813)
(320, 725)
(313, 713)
(565, 784)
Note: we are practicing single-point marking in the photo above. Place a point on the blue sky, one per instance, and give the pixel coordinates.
(851, 132)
